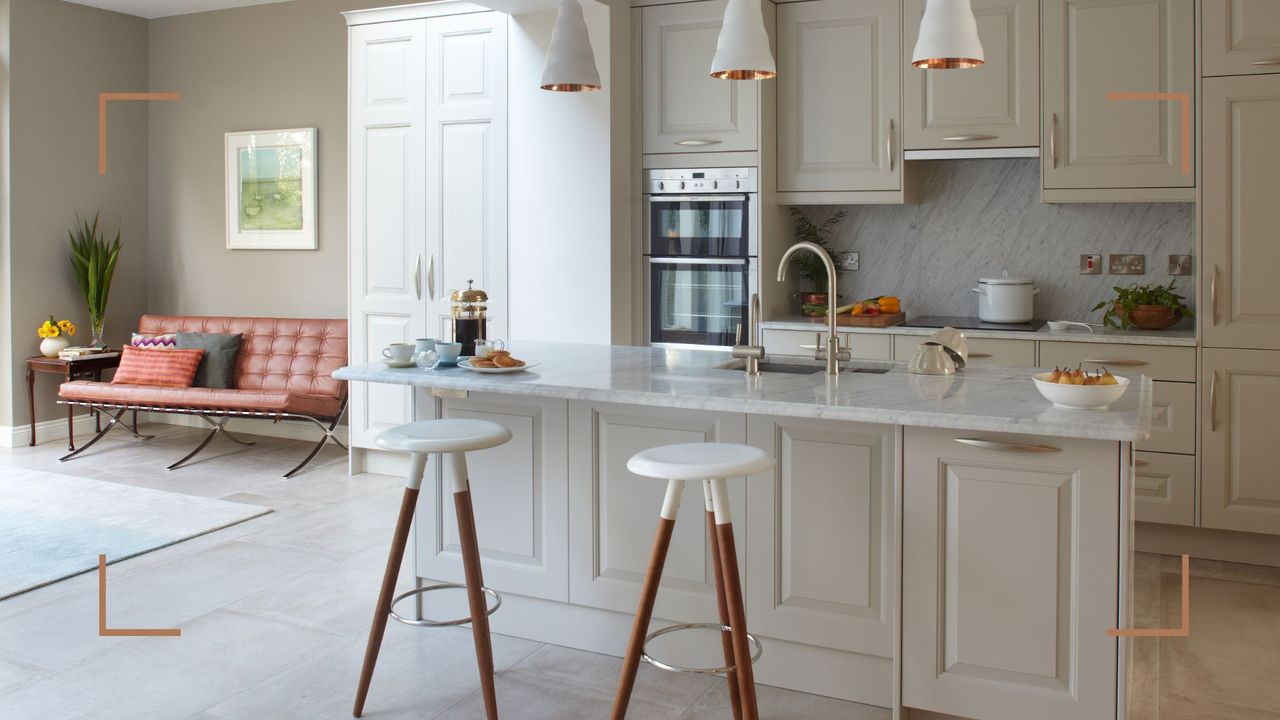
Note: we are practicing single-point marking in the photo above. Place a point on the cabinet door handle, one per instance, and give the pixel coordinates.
(1213, 296)
(1118, 362)
(888, 144)
(431, 276)
(417, 277)
(1141, 463)
(1213, 403)
(1053, 140)
(970, 138)
(1268, 61)
(697, 142)
(979, 355)
(1006, 446)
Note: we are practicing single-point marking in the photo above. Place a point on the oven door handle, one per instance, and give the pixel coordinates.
(699, 261)
(697, 198)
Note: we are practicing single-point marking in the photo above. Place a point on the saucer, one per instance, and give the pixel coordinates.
(447, 363)
(394, 364)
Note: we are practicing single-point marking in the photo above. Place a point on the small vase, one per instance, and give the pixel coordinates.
(96, 324)
(50, 347)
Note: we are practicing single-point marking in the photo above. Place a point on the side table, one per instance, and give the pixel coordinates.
(89, 367)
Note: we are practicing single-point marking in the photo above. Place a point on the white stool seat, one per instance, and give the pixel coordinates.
(449, 435)
(699, 461)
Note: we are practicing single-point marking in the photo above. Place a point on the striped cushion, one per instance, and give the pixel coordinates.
(151, 366)
(166, 341)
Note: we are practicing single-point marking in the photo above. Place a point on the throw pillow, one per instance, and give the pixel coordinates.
(163, 368)
(167, 341)
(218, 366)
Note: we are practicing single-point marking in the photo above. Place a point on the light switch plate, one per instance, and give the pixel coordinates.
(1127, 264)
(846, 260)
(1179, 264)
(1091, 264)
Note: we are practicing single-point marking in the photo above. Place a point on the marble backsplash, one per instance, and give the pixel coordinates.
(977, 218)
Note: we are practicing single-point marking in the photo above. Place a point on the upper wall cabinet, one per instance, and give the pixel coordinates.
(685, 109)
(1118, 91)
(839, 91)
(996, 105)
(1239, 213)
(1241, 37)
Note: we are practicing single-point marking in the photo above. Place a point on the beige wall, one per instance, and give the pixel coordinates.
(6, 359)
(62, 56)
(253, 68)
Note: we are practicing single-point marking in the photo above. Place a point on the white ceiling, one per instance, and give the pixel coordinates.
(162, 8)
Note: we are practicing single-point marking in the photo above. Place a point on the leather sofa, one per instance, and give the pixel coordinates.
(284, 372)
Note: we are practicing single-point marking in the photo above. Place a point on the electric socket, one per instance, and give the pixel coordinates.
(1128, 264)
(846, 260)
(1091, 264)
(1179, 264)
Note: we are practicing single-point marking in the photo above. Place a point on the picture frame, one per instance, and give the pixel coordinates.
(271, 189)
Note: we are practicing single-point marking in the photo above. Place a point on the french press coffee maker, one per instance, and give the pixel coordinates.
(469, 316)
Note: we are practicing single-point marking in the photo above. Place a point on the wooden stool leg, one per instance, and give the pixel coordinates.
(382, 610)
(733, 593)
(726, 638)
(475, 581)
(648, 595)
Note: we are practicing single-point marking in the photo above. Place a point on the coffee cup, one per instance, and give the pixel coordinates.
(398, 352)
(449, 351)
(485, 348)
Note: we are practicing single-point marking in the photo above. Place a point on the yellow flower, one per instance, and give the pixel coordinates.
(66, 327)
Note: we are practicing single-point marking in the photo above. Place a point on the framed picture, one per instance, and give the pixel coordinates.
(271, 190)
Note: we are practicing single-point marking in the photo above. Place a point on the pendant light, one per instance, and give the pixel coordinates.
(948, 37)
(742, 50)
(571, 66)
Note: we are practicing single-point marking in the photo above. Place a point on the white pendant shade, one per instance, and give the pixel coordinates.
(948, 37)
(571, 66)
(742, 51)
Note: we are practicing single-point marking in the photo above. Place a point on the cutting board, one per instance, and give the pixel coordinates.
(879, 321)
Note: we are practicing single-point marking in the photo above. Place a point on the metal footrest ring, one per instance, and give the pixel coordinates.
(427, 622)
(645, 656)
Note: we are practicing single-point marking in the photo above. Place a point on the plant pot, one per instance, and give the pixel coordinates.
(50, 347)
(1150, 317)
(810, 302)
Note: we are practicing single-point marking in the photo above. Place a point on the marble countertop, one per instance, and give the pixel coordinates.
(1182, 338)
(979, 399)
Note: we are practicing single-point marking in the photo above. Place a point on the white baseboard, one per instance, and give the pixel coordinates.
(249, 426)
(47, 431)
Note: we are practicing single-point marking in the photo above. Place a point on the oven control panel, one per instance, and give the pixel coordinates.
(705, 180)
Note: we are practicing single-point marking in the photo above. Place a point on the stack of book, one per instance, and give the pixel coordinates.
(77, 353)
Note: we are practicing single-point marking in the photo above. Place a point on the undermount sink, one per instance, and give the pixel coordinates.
(873, 368)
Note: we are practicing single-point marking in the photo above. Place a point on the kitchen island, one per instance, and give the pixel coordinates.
(954, 544)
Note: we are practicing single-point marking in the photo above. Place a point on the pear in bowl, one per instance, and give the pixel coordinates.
(1079, 390)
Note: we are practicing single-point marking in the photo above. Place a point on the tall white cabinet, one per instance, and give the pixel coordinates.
(427, 144)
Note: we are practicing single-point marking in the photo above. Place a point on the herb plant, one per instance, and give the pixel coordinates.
(808, 265)
(1129, 298)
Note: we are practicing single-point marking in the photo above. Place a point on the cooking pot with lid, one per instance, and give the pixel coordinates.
(1006, 299)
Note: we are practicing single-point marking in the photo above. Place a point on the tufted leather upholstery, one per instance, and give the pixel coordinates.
(284, 365)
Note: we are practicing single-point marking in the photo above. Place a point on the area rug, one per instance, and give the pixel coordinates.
(54, 526)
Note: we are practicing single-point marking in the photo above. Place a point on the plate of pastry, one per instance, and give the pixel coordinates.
(498, 362)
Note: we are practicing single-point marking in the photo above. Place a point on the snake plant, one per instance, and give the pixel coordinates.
(94, 261)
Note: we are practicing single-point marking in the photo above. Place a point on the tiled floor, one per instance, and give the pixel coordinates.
(274, 613)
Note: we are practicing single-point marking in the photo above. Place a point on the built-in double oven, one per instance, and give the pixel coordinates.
(701, 254)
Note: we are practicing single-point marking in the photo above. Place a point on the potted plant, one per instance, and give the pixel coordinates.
(1147, 307)
(813, 302)
(54, 336)
(94, 261)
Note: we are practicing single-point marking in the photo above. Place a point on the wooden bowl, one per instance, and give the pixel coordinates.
(1151, 317)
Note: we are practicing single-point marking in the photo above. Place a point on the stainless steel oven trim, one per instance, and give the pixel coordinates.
(753, 286)
(753, 217)
(700, 198)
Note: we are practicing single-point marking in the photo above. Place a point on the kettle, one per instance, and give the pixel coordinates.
(932, 358)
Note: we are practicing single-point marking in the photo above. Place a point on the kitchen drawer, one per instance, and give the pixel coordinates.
(1165, 488)
(864, 346)
(1173, 419)
(1156, 362)
(994, 352)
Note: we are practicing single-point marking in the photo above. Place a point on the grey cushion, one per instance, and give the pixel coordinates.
(218, 366)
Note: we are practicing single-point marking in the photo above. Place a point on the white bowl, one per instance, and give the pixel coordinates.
(1080, 397)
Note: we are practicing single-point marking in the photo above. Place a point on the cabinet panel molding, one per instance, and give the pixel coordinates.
(1165, 488)
(1173, 419)
(1240, 440)
(1240, 37)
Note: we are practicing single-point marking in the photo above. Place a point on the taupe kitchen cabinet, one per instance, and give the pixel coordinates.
(520, 493)
(1165, 488)
(1240, 37)
(996, 105)
(829, 580)
(1132, 148)
(613, 514)
(1007, 594)
(1240, 440)
(684, 108)
(839, 93)
(803, 343)
(1240, 251)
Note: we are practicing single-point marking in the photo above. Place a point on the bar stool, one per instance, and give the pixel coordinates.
(451, 439)
(711, 463)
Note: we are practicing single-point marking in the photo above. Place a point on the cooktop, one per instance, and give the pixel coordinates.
(970, 323)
